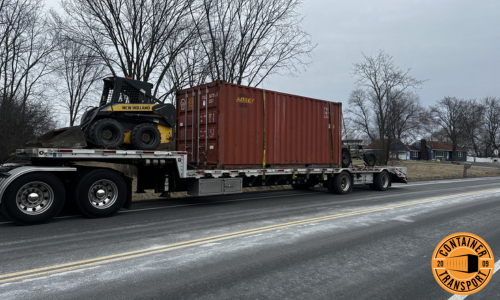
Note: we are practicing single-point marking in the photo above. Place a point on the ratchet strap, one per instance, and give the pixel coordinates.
(264, 137)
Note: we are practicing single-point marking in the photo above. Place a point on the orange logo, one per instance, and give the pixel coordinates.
(462, 263)
(245, 100)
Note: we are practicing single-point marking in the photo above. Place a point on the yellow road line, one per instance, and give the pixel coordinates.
(149, 251)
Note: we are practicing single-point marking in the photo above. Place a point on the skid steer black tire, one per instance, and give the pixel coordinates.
(107, 133)
(146, 136)
(346, 158)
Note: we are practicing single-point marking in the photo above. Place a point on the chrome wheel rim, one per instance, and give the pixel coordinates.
(345, 183)
(35, 198)
(103, 194)
(385, 180)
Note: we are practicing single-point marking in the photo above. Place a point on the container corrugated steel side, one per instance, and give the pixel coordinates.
(298, 131)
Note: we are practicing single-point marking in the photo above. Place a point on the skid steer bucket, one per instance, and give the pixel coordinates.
(68, 137)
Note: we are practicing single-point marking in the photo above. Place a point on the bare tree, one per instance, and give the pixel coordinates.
(25, 48)
(135, 38)
(473, 126)
(405, 117)
(349, 130)
(79, 68)
(384, 104)
(245, 41)
(20, 123)
(491, 125)
(449, 113)
(189, 69)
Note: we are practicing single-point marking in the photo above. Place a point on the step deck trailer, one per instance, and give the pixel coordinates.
(36, 192)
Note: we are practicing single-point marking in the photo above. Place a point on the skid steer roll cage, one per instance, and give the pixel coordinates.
(135, 91)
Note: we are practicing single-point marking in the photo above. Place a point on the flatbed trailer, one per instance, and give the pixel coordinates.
(36, 192)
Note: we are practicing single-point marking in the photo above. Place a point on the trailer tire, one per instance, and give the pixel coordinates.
(2, 212)
(381, 181)
(33, 198)
(107, 132)
(346, 158)
(340, 184)
(369, 159)
(100, 193)
(146, 136)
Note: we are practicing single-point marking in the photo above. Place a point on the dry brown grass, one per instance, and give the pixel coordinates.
(433, 171)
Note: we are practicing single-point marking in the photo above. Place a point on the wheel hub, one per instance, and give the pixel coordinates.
(146, 137)
(385, 181)
(100, 194)
(107, 134)
(34, 198)
(344, 184)
(103, 194)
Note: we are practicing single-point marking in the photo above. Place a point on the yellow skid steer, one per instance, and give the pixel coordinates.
(127, 116)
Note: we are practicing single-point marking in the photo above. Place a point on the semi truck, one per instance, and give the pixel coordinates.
(227, 137)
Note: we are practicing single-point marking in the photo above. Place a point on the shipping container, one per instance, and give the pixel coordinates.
(468, 263)
(252, 128)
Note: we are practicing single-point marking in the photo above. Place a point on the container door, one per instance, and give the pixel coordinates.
(197, 125)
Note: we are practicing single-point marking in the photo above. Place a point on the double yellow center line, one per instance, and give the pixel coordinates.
(170, 247)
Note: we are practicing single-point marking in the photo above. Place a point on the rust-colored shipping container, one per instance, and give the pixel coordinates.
(255, 128)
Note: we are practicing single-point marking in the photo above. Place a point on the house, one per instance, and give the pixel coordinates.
(398, 150)
(439, 150)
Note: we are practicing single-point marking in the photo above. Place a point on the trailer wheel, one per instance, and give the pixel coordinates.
(340, 183)
(346, 158)
(100, 193)
(146, 136)
(369, 159)
(107, 132)
(381, 181)
(33, 198)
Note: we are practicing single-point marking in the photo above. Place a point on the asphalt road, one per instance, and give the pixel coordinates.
(273, 245)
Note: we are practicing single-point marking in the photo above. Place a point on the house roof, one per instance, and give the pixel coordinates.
(446, 146)
(412, 148)
(377, 145)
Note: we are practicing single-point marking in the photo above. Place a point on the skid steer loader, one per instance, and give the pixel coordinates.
(127, 116)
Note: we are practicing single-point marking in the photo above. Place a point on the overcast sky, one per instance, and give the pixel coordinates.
(454, 44)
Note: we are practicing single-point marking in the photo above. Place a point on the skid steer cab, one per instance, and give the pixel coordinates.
(128, 116)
